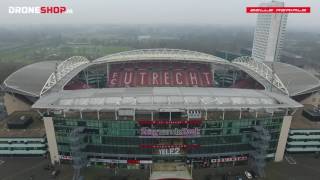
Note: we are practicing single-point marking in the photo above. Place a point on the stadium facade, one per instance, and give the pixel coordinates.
(137, 108)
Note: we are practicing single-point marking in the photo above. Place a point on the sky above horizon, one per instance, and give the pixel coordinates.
(200, 12)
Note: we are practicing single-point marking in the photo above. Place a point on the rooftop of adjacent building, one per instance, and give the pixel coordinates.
(34, 130)
(301, 122)
(273, 4)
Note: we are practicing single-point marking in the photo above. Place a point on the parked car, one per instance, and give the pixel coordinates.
(248, 174)
(55, 173)
(254, 175)
(208, 177)
(89, 164)
(48, 167)
(225, 177)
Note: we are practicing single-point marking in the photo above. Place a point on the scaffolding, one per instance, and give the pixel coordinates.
(3, 112)
(260, 142)
(77, 145)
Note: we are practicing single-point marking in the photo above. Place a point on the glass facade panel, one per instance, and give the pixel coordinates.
(119, 137)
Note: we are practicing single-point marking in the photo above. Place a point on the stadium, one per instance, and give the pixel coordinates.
(141, 108)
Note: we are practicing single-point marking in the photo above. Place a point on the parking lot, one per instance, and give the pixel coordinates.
(17, 168)
(306, 167)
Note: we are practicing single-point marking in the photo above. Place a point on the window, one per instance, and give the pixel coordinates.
(257, 123)
(253, 123)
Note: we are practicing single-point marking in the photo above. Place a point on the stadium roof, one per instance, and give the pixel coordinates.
(151, 98)
(296, 80)
(36, 79)
(30, 79)
(161, 54)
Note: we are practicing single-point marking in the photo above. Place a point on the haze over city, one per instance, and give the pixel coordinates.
(213, 12)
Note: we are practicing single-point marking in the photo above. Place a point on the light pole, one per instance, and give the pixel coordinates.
(191, 167)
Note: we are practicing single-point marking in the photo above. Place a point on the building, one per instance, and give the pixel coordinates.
(313, 99)
(304, 134)
(22, 134)
(141, 108)
(269, 34)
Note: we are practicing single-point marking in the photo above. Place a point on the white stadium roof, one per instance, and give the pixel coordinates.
(30, 79)
(161, 54)
(38, 78)
(153, 98)
(296, 80)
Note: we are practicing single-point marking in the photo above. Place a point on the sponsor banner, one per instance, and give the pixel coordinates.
(117, 161)
(145, 161)
(169, 132)
(229, 159)
(166, 146)
(65, 157)
(148, 122)
(170, 151)
(278, 9)
(126, 112)
(133, 161)
(194, 114)
(170, 110)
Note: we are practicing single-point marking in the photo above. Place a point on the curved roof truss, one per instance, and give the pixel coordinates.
(62, 70)
(262, 70)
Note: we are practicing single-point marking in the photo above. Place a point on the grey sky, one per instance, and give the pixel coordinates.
(224, 12)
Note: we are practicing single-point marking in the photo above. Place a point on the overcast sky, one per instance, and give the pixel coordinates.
(223, 12)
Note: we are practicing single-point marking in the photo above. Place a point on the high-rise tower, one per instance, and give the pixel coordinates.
(269, 34)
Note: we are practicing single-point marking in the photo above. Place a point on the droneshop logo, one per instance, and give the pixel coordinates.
(39, 10)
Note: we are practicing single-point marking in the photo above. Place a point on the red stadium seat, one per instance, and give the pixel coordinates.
(160, 74)
(74, 85)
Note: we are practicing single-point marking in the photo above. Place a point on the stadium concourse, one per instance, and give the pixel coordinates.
(146, 109)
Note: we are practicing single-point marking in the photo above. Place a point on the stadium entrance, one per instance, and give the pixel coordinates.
(170, 171)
